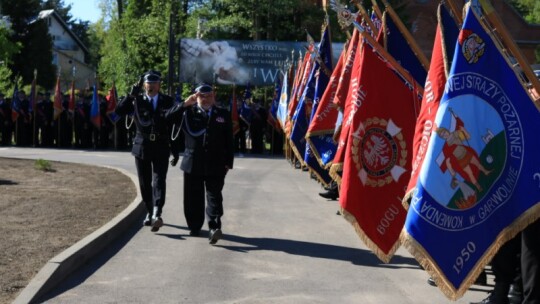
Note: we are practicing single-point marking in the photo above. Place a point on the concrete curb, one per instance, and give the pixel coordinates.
(66, 262)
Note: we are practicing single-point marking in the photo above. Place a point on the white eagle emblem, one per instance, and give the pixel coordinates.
(379, 152)
(376, 151)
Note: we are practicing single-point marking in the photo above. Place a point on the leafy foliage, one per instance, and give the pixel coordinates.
(36, 44)
(43, 165)
(530, 10)
(8, 49)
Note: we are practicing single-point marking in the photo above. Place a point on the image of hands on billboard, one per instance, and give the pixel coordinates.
(239, 62)
(210, 62)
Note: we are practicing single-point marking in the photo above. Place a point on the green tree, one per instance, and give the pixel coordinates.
(277, 20)
(8, 48)
(135, 43)
(60, 8)
(530, 10)
(33, 36)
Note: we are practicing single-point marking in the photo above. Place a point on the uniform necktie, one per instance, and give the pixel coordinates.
(152, 101)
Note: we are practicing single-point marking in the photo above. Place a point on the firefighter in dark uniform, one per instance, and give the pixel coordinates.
(47, 112)
(151, 145)
(44, 116)
(208, 155)
(23, 124)
(6, 125)
(81, 121)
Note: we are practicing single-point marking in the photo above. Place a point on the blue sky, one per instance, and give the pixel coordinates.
(86, 10)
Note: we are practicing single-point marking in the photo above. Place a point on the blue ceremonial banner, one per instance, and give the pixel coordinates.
(301, 117)
(15, 103)
(283, 106)
(399, 48)
(322, 76)
(95, 115)
(302, 112)
(271, 119)
(479, 183)
(245, 112)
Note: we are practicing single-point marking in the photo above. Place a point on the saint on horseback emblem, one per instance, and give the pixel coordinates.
(462, 162)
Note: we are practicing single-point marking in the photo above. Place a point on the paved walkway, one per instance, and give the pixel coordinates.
(282, 244)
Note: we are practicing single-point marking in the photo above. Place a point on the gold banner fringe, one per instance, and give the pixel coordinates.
(317, 175)
(385, 257)
(426, 261)
(334, 172)
(297, 154)
(406, 201)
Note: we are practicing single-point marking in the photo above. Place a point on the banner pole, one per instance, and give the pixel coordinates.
(457, 14)
(376, 9)
(366, 17)
(416, 49)
(383, 53)
(500, 28)
(34, 94)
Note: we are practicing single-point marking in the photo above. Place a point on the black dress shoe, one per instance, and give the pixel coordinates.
(482, 279)
(194, 232)
(431, 281)
(147, 221)
(330, 194)
(491, 300)
(515, 294)
(157, 223)
(214, 236)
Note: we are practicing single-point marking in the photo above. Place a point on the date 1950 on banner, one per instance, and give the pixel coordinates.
(464, 257)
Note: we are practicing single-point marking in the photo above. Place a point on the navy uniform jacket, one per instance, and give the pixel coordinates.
(209, 142)
(5, 113)
(153, 135)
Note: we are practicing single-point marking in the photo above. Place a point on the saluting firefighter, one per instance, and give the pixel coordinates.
(151, 144)
(208, 155)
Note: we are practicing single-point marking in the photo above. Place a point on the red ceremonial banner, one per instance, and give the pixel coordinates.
(324, 120)
(57, 99)
(343, 87)
(376, 168)
(345, 91)
(433, 91)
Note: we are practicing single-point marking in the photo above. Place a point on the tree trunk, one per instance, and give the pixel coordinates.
(120, 9)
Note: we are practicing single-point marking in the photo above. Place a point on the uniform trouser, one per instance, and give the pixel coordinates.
(505, 267)
(152, 182)
(530, 263)
(6, 135)
(195, 187)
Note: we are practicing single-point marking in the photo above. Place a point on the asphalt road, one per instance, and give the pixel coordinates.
(282, 244)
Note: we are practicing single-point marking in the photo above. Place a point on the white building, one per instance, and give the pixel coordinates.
(68, 52)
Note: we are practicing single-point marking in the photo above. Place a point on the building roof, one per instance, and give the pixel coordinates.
(52, 13)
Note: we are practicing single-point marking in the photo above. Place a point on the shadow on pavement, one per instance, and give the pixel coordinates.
(7, 182)
(316, 250)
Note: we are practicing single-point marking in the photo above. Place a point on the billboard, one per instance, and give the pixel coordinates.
(238, 62)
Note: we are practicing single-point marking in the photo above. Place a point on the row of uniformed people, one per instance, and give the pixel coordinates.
(41, 129)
